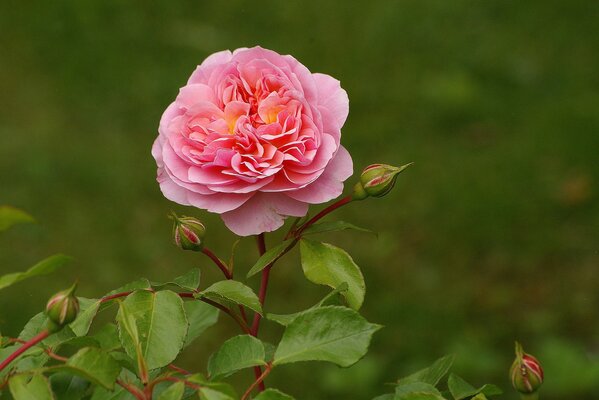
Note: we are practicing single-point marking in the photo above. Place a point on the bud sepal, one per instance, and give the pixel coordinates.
(188, 233)
(62, 308)
(526, 373)
(377, 180)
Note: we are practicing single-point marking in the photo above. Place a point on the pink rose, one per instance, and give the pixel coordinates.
(253, 136)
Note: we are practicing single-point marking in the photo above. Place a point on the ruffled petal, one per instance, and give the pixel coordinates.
(264, 212)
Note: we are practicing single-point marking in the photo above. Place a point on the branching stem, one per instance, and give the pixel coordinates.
(28, 344)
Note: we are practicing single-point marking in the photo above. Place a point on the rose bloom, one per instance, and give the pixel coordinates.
(253, 136)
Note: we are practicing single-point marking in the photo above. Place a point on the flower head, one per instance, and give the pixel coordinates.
(63, 307)
(253, 136)
(188, 233)
(526, 373)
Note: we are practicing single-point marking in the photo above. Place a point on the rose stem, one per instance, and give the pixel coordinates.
(190, 295)
(259, 381)
(329, 209)
(138, 394)
(31, 342)
(228, 274)
(261, 241)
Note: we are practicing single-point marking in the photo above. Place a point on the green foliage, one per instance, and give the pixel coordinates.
(232, 291)
(273, 394)
(460, 389)
(30, 387)
(174, 392)
(161, 326)
(286, 319)
(200, 316)
(326, 264)
(94, 365)
(44, 267)
(270, 256)
(10, 216)
(424, 385)
(336, 334)
(333, 226)
(235, 354)
(189, 281)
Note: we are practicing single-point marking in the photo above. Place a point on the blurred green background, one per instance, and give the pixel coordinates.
(492, 236)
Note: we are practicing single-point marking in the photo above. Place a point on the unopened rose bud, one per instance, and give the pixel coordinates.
(63, 307)
(377, 180)
(188, 233)
(526, 372)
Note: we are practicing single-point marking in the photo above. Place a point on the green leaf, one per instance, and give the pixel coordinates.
(108, 337)
(212, 390)
(286, 319)
(214, 394)
(88, 308)
(460, 389)
(139, 284)
(201, 316)
(232, 291)
(38, 323)
(68, 387)
(336, 334)
(431, 375)
(237, 353)
(270, 256)
(333, 226)
(326, 264)
(273, 394)
(94, 365)
(189, 281)
(387, 396)
(417, 391)
(174, 392)
(161, 324)
(43, 267)
(10, 216)
(23, 388)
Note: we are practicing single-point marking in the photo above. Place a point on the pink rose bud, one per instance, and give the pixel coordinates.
(377, 180)
(188, 233)
(526, 372)
(63, 307)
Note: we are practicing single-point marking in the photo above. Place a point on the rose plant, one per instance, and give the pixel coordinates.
(256, 137)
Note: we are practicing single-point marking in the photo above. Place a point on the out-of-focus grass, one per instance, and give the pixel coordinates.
(491, 236)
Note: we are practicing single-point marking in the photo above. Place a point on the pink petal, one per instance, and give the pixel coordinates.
(264, 212)
(219, 202)
(330, 184)
(211, 64)
(194, 93)
(334, 100)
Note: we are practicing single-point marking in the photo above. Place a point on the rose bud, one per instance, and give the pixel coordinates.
(63, 307)
(526, 372)
(377, 180)
(188, 233)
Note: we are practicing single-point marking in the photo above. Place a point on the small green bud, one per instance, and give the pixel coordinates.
(526, 373)
(377, 180)
(188, 233)
(63, 307)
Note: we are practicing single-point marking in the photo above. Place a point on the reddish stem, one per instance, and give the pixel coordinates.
(261, 242)
(138, 394)
(328, 210)
(28, 344)
(259, 381)
(219, 263)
